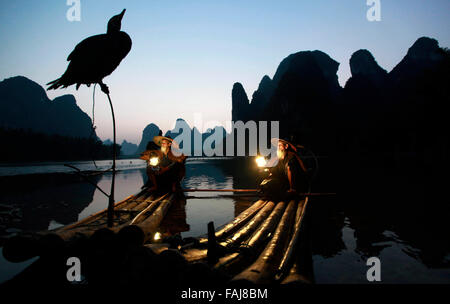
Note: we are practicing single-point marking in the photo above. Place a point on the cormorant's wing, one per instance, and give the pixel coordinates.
(91, 47)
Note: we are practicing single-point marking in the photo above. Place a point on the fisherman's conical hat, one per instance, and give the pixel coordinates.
(275, 141)
(158, 140)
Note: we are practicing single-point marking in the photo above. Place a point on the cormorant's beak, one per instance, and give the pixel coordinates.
(122, 13)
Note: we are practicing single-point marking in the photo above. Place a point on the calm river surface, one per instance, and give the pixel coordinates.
(412, 245)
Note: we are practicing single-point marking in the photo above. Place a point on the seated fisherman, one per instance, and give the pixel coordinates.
(289, 176)
(165, 170)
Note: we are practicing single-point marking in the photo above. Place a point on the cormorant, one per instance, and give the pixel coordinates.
(96, 57)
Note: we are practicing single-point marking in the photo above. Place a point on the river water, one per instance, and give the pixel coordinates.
(410, 237)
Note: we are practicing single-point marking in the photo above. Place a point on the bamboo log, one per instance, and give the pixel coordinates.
(144, 204)
(132, 232)
(240, 220)
(94, 216)
(144, 224)
(252, 247)
(264, 268)
(149, 225)
(231, 264)
(123, 216)
(147, 211)
(263, 233)
(248, 229)
(234, 224)
(142, 196)
(296, 277)
(287, 259)
(196, 254)
(23, 247)
(301, 271)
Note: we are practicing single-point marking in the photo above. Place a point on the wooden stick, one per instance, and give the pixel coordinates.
(250, 195)
(149, 208)
(220, 190)
(256, 190)
(80, 173)
(110, 211)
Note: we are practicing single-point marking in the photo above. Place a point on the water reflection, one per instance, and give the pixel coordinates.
(42, 198)
(128, 182)
(51, 200)
(211, 174)
(391, 217)
(395, 216)
(58, 167)
(175, 220)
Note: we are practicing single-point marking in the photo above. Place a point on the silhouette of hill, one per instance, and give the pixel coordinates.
(24, 105)
(261, 97)
(240, 103)
(148, 133)
(128, 148)
(26, 145)
(301, 94)
(108, 142)
(54, 129)
(378, 118)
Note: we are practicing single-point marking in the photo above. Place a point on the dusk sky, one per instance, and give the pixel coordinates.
(187, 55)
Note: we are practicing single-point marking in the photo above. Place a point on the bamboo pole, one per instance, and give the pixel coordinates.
(250, 249)
(288, 256)
(220, 190)
(248, 229)
(263, 269)
(257, 190)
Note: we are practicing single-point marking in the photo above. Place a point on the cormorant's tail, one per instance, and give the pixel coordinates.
(54, 84)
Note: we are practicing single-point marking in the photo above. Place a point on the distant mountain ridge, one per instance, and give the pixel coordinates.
(128, 148)
(197, 139)
(24, 104)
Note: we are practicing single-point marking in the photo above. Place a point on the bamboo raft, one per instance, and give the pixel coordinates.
(137, 216)
(259, 246)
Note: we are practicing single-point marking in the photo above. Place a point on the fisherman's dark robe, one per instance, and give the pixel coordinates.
(175, 173)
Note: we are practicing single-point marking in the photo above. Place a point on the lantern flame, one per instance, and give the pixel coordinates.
(260, 161)
(154, 161)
